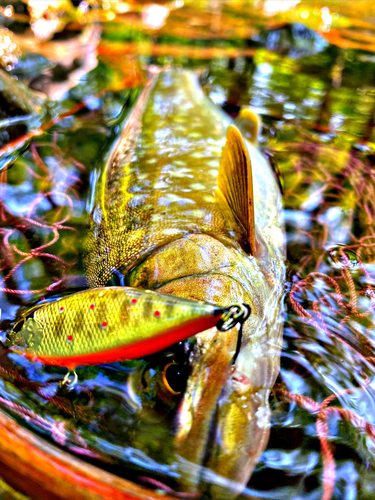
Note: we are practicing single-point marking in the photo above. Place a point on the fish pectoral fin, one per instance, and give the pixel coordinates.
(249, 123)
(235, 182)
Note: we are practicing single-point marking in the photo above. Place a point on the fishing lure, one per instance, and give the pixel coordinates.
(105, 325)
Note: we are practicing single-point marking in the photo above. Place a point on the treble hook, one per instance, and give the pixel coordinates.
(68, 381)
(236, 314)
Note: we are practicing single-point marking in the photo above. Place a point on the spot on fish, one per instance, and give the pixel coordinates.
(160, 185)
(165, 151)
(134, 301)
(197, 186)
(104, 325)
(157, 314)
(197, 154)
(180, 174)
(172, 197)
(208, 198)
(198, 214)
(195, 135)
(92, 306)
(69, 338)
(61, 309)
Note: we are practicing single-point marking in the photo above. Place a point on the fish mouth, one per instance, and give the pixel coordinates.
(197, 423)
(222, 422)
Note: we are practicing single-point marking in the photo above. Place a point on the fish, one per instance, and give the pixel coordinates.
(120, 323)
(187, 205)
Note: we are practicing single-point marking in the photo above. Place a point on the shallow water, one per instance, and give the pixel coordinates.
(315, 94)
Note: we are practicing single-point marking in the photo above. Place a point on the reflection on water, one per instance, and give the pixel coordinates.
(315, 94)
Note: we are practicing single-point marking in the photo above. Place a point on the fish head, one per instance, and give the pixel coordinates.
(221, 421)
(27, 334)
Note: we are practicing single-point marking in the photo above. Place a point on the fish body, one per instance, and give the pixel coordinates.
(115, 323)
(168, 215)
(159, 185)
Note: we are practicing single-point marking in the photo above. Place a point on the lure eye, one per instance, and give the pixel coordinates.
(174, 378)
(18, 326)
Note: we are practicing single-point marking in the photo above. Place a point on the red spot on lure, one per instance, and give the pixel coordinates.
(153, 321)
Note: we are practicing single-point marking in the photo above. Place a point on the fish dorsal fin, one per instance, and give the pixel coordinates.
(249, 123)
(236, 183)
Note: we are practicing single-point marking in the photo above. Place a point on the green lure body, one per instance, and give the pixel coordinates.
(110, 324)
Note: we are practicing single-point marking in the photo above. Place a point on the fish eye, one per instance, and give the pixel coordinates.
(174, 378)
